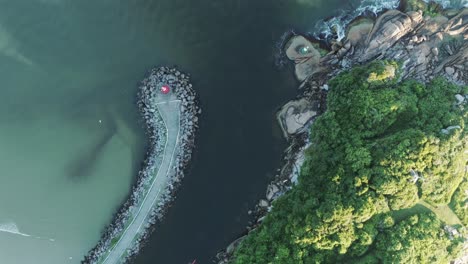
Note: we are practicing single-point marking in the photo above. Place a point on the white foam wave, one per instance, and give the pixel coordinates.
(12, 228)
(334, 28)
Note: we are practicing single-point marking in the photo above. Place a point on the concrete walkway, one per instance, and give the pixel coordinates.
(169, 109)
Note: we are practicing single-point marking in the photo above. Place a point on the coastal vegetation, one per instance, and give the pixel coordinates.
(431, 9)
(384, 178)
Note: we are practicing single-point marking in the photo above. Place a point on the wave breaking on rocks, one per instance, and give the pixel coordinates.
(335, 27)
(426, 45)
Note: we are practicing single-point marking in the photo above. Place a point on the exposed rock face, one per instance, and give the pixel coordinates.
(263, 203)
(358, 31)
(273, 191)
(460, 99)
(427, 47)
(301, 51)
(294, 116)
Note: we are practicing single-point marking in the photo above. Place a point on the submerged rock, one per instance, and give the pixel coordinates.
(273, 190)
(388, 29)
(358, 31)
(460, 98)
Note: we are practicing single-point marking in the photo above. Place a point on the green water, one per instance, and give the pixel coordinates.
(70, 141)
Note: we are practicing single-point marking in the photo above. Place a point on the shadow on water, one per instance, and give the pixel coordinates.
(105, 115)
(86, 162)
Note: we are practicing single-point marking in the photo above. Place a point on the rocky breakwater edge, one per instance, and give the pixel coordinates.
(426, 41)
(155, 129)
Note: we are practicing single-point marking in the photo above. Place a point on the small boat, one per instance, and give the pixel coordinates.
(193, 262)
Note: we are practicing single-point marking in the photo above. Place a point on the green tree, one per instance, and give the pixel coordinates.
(418, 239)
(380, 146)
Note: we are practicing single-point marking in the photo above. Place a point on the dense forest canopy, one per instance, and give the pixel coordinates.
(383, 155)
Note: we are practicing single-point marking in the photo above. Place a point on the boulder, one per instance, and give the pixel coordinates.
(460, 98)
(433, 25)
(388, 29)
(306, 58)
(263, 203)
(294, 117)
(358, 31)
(458, 25)
(272, 191)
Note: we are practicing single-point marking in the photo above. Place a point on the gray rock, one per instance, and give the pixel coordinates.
(295, 116)
(272, 191)
(449, 70)
(388, 29)
(263, 203)
(460, 98)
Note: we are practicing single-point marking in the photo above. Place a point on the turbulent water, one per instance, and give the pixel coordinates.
(12, 228)
(335, 26)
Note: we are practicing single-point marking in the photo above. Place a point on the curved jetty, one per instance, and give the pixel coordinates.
(168, 107)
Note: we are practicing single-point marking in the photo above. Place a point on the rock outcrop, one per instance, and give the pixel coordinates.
(295, 115)
(427, 47)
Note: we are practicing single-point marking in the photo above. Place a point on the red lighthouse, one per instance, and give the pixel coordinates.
(165, 89)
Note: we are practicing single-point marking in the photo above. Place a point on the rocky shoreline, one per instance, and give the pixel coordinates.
(426, 44)
(155, 130)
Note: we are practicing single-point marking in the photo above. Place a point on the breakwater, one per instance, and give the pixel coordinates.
(168, 106)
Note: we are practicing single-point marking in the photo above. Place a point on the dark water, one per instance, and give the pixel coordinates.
(67, 65)
(231, 46)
